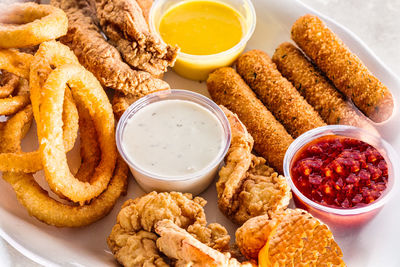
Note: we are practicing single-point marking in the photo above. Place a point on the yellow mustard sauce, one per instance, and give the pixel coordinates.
(202, 27)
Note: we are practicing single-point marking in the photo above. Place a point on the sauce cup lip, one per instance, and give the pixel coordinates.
(169, 95)
(389, 155)
(245, 38)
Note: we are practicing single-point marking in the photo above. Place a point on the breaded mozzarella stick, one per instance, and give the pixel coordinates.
(277, 93)
(271, 140)
(343, 68)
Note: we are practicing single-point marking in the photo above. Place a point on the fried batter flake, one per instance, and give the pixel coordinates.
(247, 187)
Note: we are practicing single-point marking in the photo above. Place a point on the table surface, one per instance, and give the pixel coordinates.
(376, 22)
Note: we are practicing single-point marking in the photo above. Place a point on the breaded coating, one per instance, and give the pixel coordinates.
(178, 244)
(317, 89)
(138, 218)
(97, 55)
(277, 93)
(247, 187)
(271, 140)
(123, 23)
(8, 83)
(342, 67)
(293, 238)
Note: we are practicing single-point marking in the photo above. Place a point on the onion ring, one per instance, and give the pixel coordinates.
(8, 83)
(85, 87)
(15, 62)
(35, 24)
(37, 201)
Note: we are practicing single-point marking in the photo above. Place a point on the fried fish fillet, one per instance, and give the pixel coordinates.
(97, 55)
(317, 89)
(137, 220)
(291, 238)
(126, 28)
(178, 244)
(247, 187)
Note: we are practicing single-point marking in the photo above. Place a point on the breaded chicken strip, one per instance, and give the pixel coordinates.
(342, 67)
(316, 88)
(178, 244)
(271, 140)
(291, 238)
(138, 218)
(97, 55)
(247, 187)
(277, 93)
(127, 29)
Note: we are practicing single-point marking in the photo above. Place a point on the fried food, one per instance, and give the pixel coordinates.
(126, 28)
(100, 57)
(8, 83)
(343, 68)
(178, 244)
(27, 24)
(247, 187)
(277, 93)
(37, 201)
(88, 90)
(316, 88)
(11, 105)
(15, 62)
(135, 227)
(289, 238)
(271, 140)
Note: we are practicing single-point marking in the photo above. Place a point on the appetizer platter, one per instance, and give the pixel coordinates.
(195, 133)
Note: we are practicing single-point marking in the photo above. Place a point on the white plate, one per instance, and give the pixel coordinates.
(376, 244)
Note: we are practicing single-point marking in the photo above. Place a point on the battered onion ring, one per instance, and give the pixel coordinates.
(8, 83)
(37, 201)
(15, 62)
(35, 24)
(87, 89)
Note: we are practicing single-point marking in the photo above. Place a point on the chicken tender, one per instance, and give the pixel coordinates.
(138, 218)
(342, 67)
(290, 238)
(178, 244)
(271, 140)
(277, 93)
(246, 186)
(316, 88)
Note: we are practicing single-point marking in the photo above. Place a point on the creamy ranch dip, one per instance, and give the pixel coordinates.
(172, 138)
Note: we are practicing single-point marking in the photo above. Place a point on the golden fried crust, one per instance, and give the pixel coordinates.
(246, 186)
(277, 93)
(142, 214)
(294, 238)
(317, 89)
(8, 83)
(342, 67)
(97, 55)
(271, 140)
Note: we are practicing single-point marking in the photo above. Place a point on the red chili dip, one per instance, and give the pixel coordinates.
(340, 172)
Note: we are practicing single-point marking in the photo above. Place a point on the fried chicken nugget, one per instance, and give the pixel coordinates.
(277, 93)
(342, 67)
(247, 187)
(271, 140)
(316, 88)
(290, 238)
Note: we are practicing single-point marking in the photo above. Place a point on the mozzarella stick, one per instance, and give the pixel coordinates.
(271, 140)
(277, 93)
(316, 88)
(343, 68)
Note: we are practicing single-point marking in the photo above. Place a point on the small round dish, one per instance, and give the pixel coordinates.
(197, 67)
(195, 182)
(342, 217)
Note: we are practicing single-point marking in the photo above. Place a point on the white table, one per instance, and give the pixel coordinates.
(376, 22)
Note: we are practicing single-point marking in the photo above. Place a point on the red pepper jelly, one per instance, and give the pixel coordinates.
(340, 172)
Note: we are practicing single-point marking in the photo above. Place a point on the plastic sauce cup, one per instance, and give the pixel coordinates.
(197, 67)
(193, 183)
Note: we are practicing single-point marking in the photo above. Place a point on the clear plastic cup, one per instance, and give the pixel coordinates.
(193, 183)
(341, 217)
(197, 67)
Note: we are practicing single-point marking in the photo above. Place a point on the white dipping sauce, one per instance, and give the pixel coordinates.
(172, 138)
